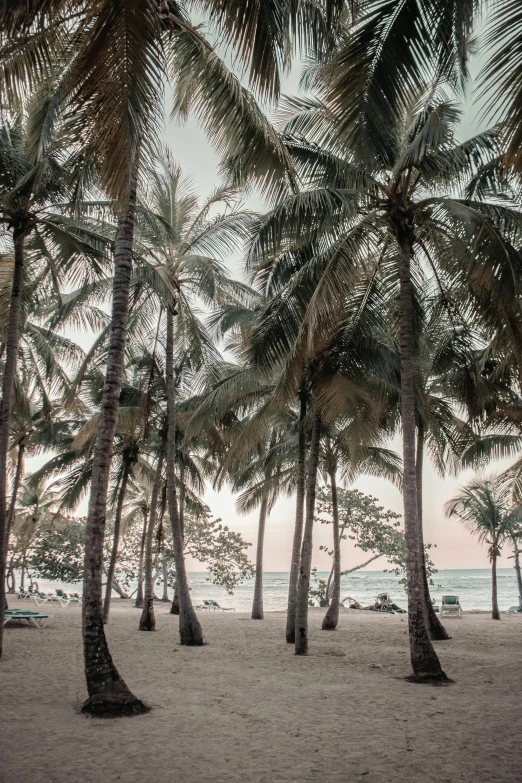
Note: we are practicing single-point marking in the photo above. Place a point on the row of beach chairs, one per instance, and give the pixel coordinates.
(59, 597)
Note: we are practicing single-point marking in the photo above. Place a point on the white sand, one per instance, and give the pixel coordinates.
(244, 708)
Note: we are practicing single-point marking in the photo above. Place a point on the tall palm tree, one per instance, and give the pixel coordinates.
(184, 247)
(121, 53)
(386, 210)
(35, 193)
(483, 507)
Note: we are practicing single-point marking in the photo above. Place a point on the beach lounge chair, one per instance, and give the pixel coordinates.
(31, 618)
(384, 603)
(67, 598)
(24, 594)
(213, 606)
(44, 598)
(450, 606)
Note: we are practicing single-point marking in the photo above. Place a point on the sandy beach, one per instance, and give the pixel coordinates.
(244, 708)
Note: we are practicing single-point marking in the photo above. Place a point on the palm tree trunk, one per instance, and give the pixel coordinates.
(257, 604)
(303, 585)
(518, 572)
(108, 693)
(16, 487)
(495, 614)
(299, 521)
(435, 627)
(189, 625)
(147, 619)
(174, 607)
(424, 660)
(115, 542)
(164, 566)
(139, 591)
(331, 617)
(11, 358)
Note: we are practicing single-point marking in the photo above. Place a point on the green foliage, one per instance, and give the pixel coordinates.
(371, 527)
(221, 549)
(317, 595)
(56, 553)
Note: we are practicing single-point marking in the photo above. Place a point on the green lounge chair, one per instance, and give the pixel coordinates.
(32, 618)
(67, 598)
(450, 606)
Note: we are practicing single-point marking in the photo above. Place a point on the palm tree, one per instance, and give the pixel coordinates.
(387, 215)
(184, 247)
(483, 507)
(35, 191)
(114, 83)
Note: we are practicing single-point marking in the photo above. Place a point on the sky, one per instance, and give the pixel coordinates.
(454, 546)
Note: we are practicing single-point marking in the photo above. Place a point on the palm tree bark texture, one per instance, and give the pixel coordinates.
(139, 592)
(303, 585)
(108, 692)
(115, 542)
(11, 356)
(189, 625)
(424, 660)
(435, 627)
(331, 617)
(516, 556)
(148, 620)
(299, 521)
(257, 604)
(494, 553)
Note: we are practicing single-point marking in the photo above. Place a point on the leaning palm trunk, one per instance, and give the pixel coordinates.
(147, 619)
(189, 625)
(303, 585)
(257, 604)
(424, 659)
(331, 617)
(299, 520)
(494, 552)
(435, 627)
(108, 693)
(139, 591)
(11, 356)
(115, 543)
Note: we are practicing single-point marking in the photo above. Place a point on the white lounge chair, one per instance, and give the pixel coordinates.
(67, 598)
(45, 598)
(450, 606)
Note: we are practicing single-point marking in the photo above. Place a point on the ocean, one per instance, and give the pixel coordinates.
(473, 586)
